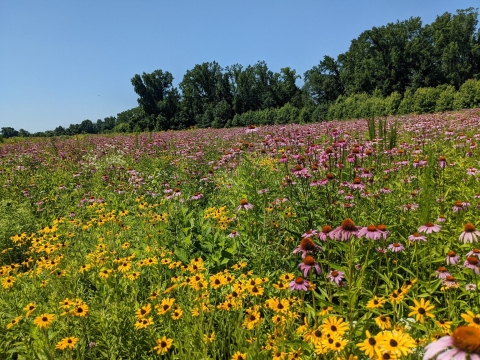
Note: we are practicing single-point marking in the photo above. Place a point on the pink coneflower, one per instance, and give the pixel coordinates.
(469, 234)
(385, 190)
(370, 232)
(462, 343)
(307, 264)
(474, 252)
(460, 206)
(320, 182)
(396, 247)
(310, 233)
(336, 276)
(417, 237)
(197, 196)
(299, 284)
(472, 263)
(442, 272)
(345, 231)
(233, 233)
(442, 162)
(357, 184)
(429, 228)
(470, 287)
(326, 231)
(452, 258)
(251, 128)
(450, 281)
(244, 204)
(441, 219)
(306, 246)
(262, 191)
(409, 207)
(300, 171)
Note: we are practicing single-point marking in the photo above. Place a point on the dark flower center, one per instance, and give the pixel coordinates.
(466, 338)
(421, 311)
(348, 225)
(309, 260)
(372, 341)
(299, 280)
(393, 343)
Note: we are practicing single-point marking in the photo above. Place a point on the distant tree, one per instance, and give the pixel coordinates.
(8, 132)
(323, 82)
(23, 133)
(59, 130)
(109, 123)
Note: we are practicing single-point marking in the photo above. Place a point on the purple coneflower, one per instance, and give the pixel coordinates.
(442, 162)
(441, 219)
(396, 247)
(471, 287)
(452, 258)
(442, 272)
(472, 263)
(469, 234)
(336, 276)
(244, 204)
(462, 343)
(345, 231)
(417, 237)
(429, 228)
(306, 246)
(299, 284)
(411, 207)
(370, 232)
(474, 252)
(326, 231)
(197, 196)
(233, 234)
(310, 233)
(307, 264)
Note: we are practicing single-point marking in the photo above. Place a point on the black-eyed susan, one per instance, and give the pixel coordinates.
(256, 290)
(14, 322)
(444, 324)
(80, 310)
(281, 285)
(143, 311)
(383, 322)
(370, 345)
(30, 308)
(252, 319)
(278, 305)
(334, 326)
(339, 344)
(421, 309)
(43, 321)
(209, 338)
(143, 323)
(472, 319)
(314, 336)
(8, 282)
(396, 296)
(105, 273)
(325, 310)
(239, 356)
(165, 306)
(397, 342)
(375, 303)
(67, 343)
(177, 313)
(163, 345)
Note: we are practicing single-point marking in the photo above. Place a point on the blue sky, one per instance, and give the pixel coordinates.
(62, 62)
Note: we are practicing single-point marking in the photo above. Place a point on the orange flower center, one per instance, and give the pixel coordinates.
(348, 225)
(326, 229)
(469, 227)
(450, 278)
(441, 269)
(243, 202)
(299, 280)
(467, 338)
(472, 260)
(309, 260)
(381, 227)
(334, 273)
(429, 224)
(307, 244)
(357, 181)
(458, 203)
(371, 228)
(451, 253)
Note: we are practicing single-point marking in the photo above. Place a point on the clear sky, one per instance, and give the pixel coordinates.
(65, 61)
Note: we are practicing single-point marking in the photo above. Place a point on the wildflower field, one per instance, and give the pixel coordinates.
(339, 240)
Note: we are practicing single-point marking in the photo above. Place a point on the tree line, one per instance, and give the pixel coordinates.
(387, 64)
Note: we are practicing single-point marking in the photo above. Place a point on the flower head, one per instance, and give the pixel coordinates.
(465, 340)
(469, 234)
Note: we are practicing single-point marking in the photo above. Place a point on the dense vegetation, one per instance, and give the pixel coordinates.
(398, 68)
(340, 240)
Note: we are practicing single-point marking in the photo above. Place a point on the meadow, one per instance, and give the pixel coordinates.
(338, 240)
